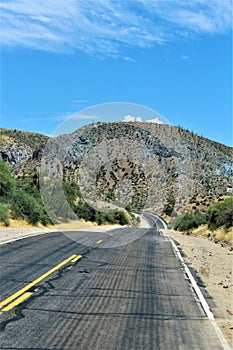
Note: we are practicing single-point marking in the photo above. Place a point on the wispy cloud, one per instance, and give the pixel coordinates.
(185, 57)
(79, 101)
(107, 26)
(57, 117)
(83, 116)
(62, 117)
(129, 59)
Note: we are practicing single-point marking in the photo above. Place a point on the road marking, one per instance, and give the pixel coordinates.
(100, 241)
(27, 236)
(204, 304)
(78, 257)
(39, 279)
(17, 301)
(193, 282)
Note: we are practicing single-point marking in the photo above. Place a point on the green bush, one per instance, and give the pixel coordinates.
(117, 217)
(121, 218)
(187, 222)
(7, 182)
(71, 191)
(168, 209)
(220, 214)
(84, 211)
(4, 214)
(23, 197)
(27, 207)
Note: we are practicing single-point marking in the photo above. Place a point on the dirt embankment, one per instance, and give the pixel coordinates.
(214, 264)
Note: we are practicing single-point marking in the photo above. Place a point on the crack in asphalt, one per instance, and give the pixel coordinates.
(18, 309)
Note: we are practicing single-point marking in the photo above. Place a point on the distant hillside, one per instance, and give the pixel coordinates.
(19, 146)
(154, 166)
(17, 137)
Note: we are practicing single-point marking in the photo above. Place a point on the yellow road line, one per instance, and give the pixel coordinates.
(100, 241)
(17, 301)
(78, 257)
(39, 279)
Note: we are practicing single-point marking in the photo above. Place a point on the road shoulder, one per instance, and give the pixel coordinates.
(213, 264)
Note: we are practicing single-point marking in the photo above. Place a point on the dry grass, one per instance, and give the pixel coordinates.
(220, 235)
(20, 223)
(6, 140)
(72, 225)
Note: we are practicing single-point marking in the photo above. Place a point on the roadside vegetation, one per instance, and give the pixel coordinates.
(21, 199)
(216, 222)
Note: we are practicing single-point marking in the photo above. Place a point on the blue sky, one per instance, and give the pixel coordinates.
(174, 57)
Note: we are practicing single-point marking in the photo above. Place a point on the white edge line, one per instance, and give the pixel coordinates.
(204, 304)
(164, 223)
(27, 236)
(158, 218)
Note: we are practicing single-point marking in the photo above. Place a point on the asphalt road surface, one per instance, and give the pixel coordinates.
(131, 295)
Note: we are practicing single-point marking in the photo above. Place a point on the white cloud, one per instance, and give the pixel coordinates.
(154, 120)
(106, 27)
(185, 57)
(129, 118)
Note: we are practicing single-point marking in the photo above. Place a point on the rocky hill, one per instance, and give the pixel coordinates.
(17, 147)
(152, 166)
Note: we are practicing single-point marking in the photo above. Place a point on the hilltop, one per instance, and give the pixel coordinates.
(153, 166)
(18, 146)
(165, 155)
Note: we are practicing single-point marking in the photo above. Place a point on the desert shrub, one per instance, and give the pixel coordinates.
(84, 211)
(187, 222)
(4, 214)
(117, 217)
(168, 209)
(104, 218)
(220, 214)
(128, 208)
(193, 199)
(121, 218)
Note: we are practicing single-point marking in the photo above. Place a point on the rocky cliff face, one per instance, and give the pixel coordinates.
(17, 147)
(146, 165)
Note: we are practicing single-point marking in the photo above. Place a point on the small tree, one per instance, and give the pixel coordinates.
(7, 182)
(4, 214)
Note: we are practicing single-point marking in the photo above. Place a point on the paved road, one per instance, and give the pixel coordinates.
(134, 296)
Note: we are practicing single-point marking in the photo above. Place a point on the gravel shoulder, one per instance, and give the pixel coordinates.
(214, 264)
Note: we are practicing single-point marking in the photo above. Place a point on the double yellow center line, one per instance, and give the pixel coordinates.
(23, 294)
